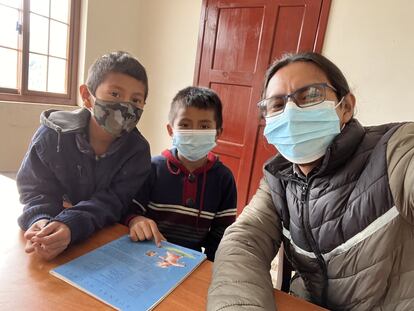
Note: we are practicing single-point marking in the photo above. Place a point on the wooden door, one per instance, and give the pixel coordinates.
(238, 40)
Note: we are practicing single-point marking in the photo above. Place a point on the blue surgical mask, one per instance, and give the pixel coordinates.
(302, 135)
(194, 144)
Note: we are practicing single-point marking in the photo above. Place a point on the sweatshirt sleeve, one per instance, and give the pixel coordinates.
(400, 160)
(224, 217)
(109, 205)
(241, 278)
(40, 191)
(139, 203)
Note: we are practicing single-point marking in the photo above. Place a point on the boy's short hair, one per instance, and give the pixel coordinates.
(198, 97)
(119, 62)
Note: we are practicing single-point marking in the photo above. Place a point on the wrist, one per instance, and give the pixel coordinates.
(129, 220)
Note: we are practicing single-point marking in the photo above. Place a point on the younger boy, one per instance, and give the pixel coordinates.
(190, 196)
(83, 167)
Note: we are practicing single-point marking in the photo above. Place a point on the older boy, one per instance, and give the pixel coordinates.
(83, 167)
(190, 197)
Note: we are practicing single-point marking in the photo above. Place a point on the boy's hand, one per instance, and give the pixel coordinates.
(31, 232)
(50, 241)
(142, 228)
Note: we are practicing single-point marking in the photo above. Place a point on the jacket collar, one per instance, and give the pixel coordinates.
(343, 147)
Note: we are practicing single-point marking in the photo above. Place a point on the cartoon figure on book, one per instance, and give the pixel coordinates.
(339, 195)
(83, 167)
(190, 196)
(169, 260)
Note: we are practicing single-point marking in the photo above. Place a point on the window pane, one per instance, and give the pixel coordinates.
(58, 39)
(57, 75)
(8, 65)
(8, 20)
(40, 7)
(60, 10)
(39, 27)
(37, 72)
(13, 3)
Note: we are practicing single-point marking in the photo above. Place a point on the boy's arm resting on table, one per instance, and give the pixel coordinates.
(107, 206)
(40, 191)
(224, 217)
(241, 278)
(400, 159)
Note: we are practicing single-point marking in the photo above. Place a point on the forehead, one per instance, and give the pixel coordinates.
(194, 114)
(294, 76)
(123, 82)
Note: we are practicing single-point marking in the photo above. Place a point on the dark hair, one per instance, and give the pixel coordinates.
(332, 72)
(198, 97)
(119, 62)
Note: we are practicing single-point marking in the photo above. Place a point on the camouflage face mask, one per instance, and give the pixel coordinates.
(116, 118)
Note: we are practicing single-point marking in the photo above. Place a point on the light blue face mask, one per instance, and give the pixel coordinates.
(302, 135)
(194, 144)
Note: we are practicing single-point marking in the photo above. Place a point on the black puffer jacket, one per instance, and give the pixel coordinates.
(347, 228)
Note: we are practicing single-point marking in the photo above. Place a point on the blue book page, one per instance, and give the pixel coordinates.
(130, 275)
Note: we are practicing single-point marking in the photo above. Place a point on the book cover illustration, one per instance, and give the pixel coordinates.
(130, 275)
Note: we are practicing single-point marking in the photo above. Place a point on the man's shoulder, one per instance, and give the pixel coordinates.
(377, 137)
(401, 141)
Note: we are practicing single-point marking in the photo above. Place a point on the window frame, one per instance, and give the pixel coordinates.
(22, 93)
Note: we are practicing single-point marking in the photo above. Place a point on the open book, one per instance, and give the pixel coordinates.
(130, 275)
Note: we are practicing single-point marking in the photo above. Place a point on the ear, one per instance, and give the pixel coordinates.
(219, 132)
(86, 96)
(170, 130)
(347, 108)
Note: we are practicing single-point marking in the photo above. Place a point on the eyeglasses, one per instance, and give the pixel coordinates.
(306, 96)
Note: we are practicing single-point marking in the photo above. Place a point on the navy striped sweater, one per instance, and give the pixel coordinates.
(190, 209)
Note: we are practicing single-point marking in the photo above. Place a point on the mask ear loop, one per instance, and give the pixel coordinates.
(337, 105)
(94, 101)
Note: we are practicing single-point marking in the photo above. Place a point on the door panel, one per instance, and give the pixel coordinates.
(295, 27)
(234, 96)
(237, 42)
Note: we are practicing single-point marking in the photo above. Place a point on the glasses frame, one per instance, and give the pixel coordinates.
(263, 107)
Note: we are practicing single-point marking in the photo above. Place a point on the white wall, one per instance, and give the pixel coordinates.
(169, 45)
(372, 42)
(110, 25)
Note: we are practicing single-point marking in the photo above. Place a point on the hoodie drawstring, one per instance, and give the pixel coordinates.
(170, 169)
(59, 132)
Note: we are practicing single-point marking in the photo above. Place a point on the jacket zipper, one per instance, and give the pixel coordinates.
(311, 240)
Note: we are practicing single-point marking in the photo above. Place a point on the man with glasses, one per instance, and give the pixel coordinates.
(339, 196)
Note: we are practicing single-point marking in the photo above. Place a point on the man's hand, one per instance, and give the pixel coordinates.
(49, 240)
(142, 228)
